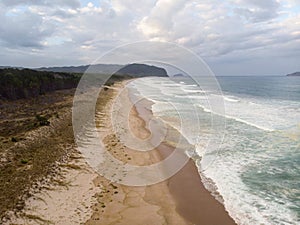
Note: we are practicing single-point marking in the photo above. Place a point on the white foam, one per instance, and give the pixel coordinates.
(259, 113)
(245, 207)
(194, 91)
(231, 99)
(191, 85)
(237, 119)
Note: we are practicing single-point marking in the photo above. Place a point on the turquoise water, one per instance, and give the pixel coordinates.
(256, 166)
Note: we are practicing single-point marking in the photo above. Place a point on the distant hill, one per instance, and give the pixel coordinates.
(142, 70)
(294, 74)
(100, 68)
(135, 70)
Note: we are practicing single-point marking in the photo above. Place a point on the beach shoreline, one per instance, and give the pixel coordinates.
(193, 201)
(121, 204)
(89, 198)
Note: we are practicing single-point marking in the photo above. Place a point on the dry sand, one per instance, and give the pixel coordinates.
(67, 200)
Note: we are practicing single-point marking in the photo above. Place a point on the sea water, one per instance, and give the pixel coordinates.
(256, 166)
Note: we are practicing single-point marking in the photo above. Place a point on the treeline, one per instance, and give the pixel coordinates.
(27, 83)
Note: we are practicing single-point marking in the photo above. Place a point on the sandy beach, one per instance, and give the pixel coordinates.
(88, 198)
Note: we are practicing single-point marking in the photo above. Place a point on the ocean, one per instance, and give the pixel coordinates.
(248, 156)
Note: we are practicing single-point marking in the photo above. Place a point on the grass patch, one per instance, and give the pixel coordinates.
(42, 120)
(41, 151)
(24, 161)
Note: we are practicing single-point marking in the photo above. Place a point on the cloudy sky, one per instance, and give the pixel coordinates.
(235, 37)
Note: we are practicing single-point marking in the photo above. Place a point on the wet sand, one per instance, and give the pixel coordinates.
(193, 201)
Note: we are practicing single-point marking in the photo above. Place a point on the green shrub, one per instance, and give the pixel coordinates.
(24, 161)
(43, 121)
(13, 139)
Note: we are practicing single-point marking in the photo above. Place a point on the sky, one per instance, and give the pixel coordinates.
(234, 37)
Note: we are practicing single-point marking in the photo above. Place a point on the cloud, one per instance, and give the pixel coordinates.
(160, 20)
(67, 3)
(266, 4)
(24, 30)
(80, 31)
(258, 11)
(140, 7)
